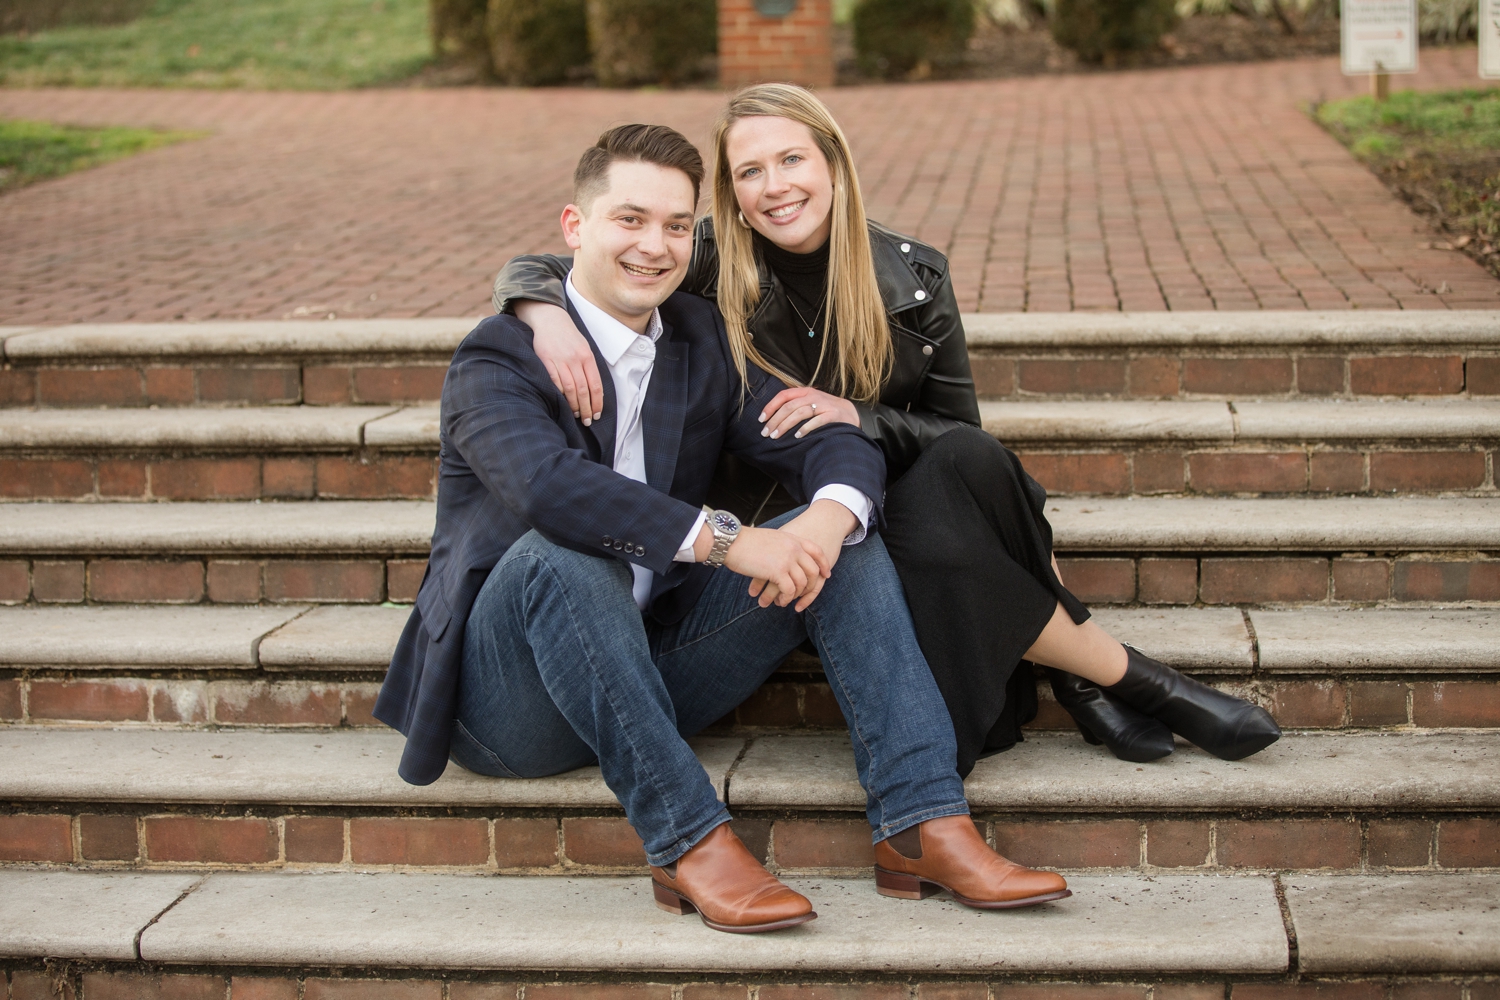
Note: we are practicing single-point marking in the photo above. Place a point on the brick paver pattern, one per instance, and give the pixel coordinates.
(1192, 188)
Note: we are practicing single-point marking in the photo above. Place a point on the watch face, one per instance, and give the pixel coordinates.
(726, 522)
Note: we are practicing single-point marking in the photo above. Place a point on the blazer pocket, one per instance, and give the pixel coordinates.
(704, 424)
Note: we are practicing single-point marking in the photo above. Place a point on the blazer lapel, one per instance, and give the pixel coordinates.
(603, 429)
(664, 410)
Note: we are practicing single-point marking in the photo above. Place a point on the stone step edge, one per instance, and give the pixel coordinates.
(1113, 924)
(302, 637)
(1396, 772)
(328, 428)
(987, 330)
(1089, 524)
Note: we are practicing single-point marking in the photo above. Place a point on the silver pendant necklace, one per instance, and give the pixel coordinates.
(803, 320)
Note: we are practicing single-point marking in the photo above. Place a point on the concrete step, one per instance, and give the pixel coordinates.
(1168, 550)
(547, 925)
(1015, 355)
(300, 665)
(299, 638)
(1424, 801)
(432, 936)
(1077, 446)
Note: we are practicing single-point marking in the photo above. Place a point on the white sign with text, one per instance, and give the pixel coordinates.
(1380, 36)
(1489, 39)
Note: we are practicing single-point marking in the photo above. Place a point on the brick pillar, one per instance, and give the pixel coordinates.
(796, 48)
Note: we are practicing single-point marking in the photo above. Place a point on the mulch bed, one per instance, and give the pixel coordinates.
(997, 51)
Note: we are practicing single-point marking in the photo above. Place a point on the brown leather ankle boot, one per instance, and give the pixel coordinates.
(731, 891)
(948, 853)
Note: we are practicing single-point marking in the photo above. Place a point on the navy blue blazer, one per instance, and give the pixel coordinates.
(513, 457)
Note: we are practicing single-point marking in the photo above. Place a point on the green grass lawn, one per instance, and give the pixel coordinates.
(1441, 151)
(274, 44)
(34, 151)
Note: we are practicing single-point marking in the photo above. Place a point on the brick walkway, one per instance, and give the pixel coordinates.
(1196, 188)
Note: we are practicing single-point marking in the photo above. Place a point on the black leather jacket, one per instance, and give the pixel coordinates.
(930, 390)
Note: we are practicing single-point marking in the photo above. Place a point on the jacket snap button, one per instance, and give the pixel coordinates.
(906, 248)
(927, 349)
(920, 295)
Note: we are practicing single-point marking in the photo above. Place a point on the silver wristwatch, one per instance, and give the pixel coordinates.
(726, 528)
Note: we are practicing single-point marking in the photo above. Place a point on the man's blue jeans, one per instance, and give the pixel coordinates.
(560, 669)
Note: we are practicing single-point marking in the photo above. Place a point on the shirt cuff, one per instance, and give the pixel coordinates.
(859, 505)
(685, 550)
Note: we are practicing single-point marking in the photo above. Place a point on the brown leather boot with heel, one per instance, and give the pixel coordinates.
(948, 853)
(720, 880)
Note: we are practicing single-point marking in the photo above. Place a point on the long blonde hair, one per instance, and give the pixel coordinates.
(855, 309)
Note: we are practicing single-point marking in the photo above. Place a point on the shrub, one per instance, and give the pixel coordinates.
(906, 37)
(651, 41)
(1103, 30)
(536, 42)
(39, 15)
(458, 32)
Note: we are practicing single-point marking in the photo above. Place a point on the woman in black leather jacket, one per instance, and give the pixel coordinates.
(867, 331)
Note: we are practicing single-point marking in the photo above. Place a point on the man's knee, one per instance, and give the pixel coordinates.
(861, 564)
(533, 556)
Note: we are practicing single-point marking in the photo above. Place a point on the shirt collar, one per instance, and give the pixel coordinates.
(612, 337)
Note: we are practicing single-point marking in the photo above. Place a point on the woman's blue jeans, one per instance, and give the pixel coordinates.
(560, 669)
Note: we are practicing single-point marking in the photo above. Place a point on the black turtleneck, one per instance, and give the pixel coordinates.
(804, 276)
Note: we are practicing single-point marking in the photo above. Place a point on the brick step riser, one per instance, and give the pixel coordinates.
(354, 579)
(85, 980)
(1386, 469)
(181, 699)
(1147, 468)
(1281, 578)
(588, 842)
(1258, 372)
(1096, 578)
(262, 382)
(1022, 374)
(369, 475)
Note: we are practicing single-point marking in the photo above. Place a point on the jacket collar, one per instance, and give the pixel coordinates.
(894, 275)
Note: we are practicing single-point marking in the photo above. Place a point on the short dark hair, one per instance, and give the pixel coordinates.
(658, 144)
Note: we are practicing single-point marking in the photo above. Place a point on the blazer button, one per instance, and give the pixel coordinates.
(618, 545)
(927, 349)
(629, 549)
(608, 541)
(640, 550)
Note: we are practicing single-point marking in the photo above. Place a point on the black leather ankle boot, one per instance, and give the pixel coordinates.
(1230, 728)
(1103, 718)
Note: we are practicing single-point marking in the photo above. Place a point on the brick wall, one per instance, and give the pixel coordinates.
(797, 48)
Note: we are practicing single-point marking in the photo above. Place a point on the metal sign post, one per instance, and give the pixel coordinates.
(1379, 37)
(1489, 39)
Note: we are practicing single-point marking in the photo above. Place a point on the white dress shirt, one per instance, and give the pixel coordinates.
(630, 357)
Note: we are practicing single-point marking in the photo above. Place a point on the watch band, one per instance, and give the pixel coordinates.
(723, 537)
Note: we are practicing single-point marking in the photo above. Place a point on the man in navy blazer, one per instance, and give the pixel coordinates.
(580, 604)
